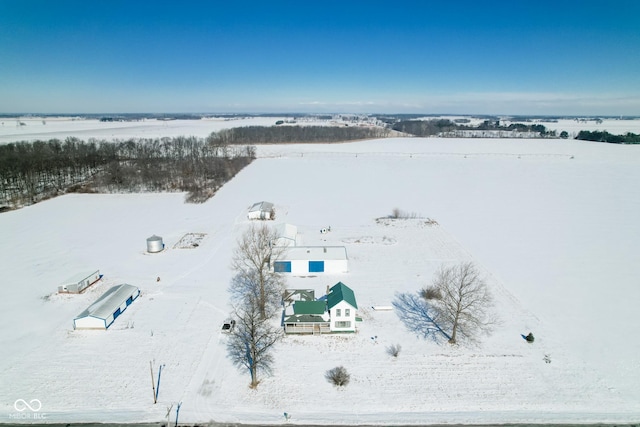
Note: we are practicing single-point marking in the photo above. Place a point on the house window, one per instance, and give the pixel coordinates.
(316, 266)
(337, 312)
(282, 266)
(347, 312)
(344, 324)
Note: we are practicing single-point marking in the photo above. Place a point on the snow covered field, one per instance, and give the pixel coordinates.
(34, 128)
(551, 223)
(44, 128)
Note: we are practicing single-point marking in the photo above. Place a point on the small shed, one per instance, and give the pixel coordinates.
(155, 244)
(305, 260)
(261, 210)
(106, 309)
(79, 282)
(342, 305)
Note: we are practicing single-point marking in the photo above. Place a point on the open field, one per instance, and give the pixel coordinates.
(44, 128)
(551, 223)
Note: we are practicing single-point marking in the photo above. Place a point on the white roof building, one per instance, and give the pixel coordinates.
(79, 282)
(287, 235)
(261, 210)
(306, 260)
(102, 313)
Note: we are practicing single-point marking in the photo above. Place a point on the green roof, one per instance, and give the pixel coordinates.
(309, 307)
(341, 292)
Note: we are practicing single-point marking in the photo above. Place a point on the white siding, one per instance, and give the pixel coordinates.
(100, 314)
(89, 323)
(333, 258)
(79, 282)
(342, 306)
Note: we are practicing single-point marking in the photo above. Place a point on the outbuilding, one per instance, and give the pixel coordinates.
(287, 235)
(305, 260)
(155, 244)
(106, 309)
(79, 282)
(261, 210)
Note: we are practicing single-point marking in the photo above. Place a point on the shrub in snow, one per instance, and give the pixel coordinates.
(338, 376)
(400, 214)
(394, 350)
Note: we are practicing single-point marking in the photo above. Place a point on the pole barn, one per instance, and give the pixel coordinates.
(102, 313)
(78, 283)
(309, 260)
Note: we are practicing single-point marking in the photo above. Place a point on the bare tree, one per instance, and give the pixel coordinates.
(419, 316)
(252, 263)
(464, 302)
(251, 340)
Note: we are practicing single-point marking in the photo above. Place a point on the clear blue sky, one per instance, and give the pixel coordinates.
(473, 57)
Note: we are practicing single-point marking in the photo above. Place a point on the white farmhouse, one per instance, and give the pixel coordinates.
(342, 305)
(333, 313)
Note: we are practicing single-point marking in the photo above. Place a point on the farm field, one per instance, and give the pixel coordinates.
(551, 224)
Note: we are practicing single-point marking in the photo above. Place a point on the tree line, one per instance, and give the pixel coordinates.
(296, 134)
(440, 126)
(604, 136)
(34, 171)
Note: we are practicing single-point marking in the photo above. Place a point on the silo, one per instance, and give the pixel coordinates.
(154, 244)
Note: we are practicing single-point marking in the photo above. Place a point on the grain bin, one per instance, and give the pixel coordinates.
(155, 244)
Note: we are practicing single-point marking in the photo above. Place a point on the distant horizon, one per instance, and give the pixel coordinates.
(303, 114)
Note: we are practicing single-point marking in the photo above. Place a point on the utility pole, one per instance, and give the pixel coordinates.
(153, 383)
(177, 412)
(158, 386)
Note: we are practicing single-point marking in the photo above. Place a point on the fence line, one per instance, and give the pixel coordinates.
(403, 154)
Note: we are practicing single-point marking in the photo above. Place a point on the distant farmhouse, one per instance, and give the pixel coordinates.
(333, 313)
(106, 309)
(262, 210)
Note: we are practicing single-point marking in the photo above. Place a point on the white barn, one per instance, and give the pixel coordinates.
(305, 260)
(261, 210)
(102, 313)
(79, 282)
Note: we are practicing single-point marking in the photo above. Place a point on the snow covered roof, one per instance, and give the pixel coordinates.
(287, 232)
(315, 253)
(261, 207)
(341, 292)
(81, 276)
(109, 302)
